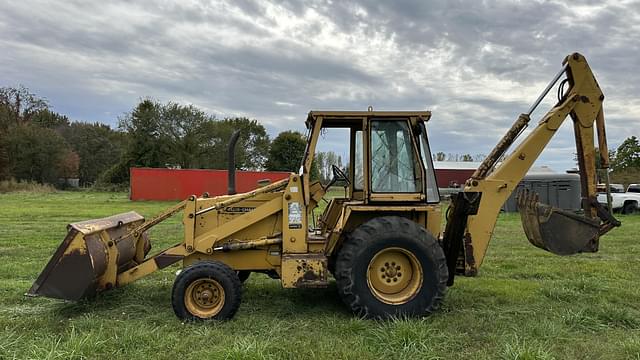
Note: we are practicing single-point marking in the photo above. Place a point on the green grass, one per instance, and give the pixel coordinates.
(525, 303)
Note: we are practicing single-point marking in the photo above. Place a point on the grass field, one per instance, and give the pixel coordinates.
(525, 303)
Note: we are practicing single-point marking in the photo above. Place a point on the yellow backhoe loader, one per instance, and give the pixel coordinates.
(382, 241)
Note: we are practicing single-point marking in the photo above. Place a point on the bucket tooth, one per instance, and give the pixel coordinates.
(90, 257)
(558, 231)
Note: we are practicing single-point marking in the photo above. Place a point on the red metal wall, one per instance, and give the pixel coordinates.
(179, 184)
(445, 177)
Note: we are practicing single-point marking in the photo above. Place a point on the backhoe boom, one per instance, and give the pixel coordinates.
(477, 208)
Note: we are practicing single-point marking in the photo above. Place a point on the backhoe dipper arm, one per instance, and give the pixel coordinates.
(474, 211)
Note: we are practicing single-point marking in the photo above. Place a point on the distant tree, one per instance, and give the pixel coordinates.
(49, 119)
(627, 155)
(171, 134)
(320, 165)
(145, 147)
(69, 165)
(323, 161)
(174, 134)
(251, 150)
(479, 157)
(118, 175)
(331, 159)
(36, 153)
(18, 106)
(180, 134)
(44, 145)
(253, 146)
(5, 172)
(612, 154)
(99, 147)
(286, 152)
(440, 156)
(625, 162)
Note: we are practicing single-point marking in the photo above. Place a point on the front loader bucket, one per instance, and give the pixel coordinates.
(555, 230)
(91, 256)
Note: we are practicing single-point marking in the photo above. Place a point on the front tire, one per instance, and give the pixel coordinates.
(207, 290)
(391, 266)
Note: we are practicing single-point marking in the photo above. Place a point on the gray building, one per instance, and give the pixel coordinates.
(558, 190)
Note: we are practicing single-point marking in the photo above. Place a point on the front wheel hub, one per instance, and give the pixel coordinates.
(204, 298)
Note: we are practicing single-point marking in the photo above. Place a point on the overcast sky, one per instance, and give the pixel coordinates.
(475, 64)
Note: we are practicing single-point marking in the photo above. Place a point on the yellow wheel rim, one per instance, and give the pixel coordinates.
(204, 298)
(394, 276)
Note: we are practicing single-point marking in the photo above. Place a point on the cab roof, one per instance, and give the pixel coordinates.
(352, 118)
(425, 115)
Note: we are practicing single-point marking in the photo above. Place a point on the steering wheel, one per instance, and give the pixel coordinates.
(338, 175)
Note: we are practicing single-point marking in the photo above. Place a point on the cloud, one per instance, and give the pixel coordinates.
(475, 64)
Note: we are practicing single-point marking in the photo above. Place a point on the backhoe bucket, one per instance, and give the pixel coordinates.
(91, 256)
(555, 230)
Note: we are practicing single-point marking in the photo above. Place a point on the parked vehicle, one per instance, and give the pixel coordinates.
(613, 188)
(633, 188)
(625, 202)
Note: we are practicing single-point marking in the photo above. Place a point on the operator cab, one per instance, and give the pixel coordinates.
(389, 158)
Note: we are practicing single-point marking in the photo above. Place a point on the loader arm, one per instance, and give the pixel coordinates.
(474, 211)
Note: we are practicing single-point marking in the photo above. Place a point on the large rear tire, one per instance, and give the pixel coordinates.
(208, 290)
(391, 266)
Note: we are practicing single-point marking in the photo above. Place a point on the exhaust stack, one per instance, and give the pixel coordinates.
(231, 168)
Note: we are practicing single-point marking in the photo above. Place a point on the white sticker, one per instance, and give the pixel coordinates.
(295, 215)
(293, 189)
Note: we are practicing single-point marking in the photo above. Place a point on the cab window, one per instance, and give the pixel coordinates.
(393, 164)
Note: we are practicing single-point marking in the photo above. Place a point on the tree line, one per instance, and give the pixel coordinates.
(624, 162)
(39, 144)
(440, 156)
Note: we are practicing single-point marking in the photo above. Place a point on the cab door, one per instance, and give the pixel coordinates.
(395, 171)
